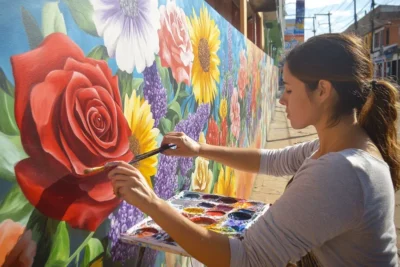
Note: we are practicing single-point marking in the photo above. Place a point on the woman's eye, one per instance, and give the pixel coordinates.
(288, 91)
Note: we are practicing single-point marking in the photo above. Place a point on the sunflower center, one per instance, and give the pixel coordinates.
(204, 55)
(129, 7)
(134, 147)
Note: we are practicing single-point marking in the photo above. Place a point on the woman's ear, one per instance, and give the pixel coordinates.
(325, 90)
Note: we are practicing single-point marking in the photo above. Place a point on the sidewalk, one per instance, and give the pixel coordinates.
(268, 188)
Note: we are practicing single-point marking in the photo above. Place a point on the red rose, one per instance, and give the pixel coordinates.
(212, 133)
(68, 110)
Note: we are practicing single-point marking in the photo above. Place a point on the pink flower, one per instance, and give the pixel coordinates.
(176, 49)
(235, 114)
(243, 79)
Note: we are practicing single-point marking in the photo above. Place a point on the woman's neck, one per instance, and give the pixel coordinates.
(345, 134)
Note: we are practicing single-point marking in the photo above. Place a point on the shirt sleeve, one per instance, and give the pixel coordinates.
(324, 200)
(286, 161)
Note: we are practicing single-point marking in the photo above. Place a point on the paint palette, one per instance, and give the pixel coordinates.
(221, 214)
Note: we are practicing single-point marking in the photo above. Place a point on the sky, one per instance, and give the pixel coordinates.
(342, 13)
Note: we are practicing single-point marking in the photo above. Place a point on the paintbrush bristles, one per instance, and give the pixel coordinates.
(92, 170)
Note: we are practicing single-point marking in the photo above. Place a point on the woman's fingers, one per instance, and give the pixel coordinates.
(121, 169)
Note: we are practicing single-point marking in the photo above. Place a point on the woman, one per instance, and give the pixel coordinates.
(339, 208)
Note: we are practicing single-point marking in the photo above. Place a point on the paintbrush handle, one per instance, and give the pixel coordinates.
(152, 153)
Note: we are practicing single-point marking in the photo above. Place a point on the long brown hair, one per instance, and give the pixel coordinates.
(345, 62)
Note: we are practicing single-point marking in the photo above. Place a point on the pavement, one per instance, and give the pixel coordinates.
(269, 188)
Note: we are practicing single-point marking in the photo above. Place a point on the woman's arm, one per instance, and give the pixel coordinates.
(277, 162)
(244, 159)
(208, 247)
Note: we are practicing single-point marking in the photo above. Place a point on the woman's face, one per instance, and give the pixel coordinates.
(300, 109)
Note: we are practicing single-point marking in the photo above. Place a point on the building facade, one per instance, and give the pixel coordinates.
(380, 30)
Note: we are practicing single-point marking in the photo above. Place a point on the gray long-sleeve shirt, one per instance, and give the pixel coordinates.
(339, 206)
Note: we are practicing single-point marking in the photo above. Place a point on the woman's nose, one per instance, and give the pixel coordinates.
(282, 100)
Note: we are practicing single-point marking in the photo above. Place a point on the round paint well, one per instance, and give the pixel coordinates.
(145, 232)
(191, 196)
(215, 213)
(206, 205)
(194, 210)
(250, 212)
(227, 200)
(211, 197)
(222, 230)
(203, 221)
(223, 207)
(239, 216)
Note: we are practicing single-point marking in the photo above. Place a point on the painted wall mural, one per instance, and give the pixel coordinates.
(85, 82)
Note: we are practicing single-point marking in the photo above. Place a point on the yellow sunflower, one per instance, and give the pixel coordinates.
(223, 108)
(204, 34)
(143, 139)
(226, 184)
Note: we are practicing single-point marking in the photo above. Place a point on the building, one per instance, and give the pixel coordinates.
(383, 40)
(261, 21)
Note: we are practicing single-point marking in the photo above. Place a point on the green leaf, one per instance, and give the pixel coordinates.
(5, 84)
(92, 250)
(164, 74)
(60, 248)
(32, 29)
(99, 52)
(82, 13)
(46, 233)
(215, 170)
(7, 119)
(15, 206)
(127, 83)
(165, 125)
(11, 154)
(174, 108)
(52, 19)
(182, 93)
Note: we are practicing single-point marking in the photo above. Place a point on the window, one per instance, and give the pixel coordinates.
(378, 40)
(387, 36)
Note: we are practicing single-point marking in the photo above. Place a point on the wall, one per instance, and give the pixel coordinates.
(86, 82)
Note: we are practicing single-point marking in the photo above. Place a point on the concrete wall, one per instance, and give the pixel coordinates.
(85, 82)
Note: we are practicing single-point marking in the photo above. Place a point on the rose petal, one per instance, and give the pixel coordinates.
(98, 190)
(45, 106)
(91, 72)
(63, 200)
(29, 70)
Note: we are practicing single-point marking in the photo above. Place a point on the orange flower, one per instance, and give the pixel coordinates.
(16, 246)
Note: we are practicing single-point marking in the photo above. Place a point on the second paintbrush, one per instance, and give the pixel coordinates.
(136, 159)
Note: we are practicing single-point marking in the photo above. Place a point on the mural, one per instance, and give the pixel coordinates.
(85, 82)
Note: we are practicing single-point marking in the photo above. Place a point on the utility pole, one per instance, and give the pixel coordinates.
(355, 16)
(313, 22)
(329, 19)
(372, 26)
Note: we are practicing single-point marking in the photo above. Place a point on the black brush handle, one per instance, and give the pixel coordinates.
(152, 152)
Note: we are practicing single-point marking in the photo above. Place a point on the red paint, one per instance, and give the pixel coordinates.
(145, 232)
(224, 207)
(215, 213)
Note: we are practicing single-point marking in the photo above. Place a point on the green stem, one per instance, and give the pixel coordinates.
(176, 95)
(79, 249)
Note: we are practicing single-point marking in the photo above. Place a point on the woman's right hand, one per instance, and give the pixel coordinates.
(185, 146)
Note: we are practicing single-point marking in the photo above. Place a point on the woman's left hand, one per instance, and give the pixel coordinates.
(131, 186)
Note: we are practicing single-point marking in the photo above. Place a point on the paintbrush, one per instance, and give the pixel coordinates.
(136, 159)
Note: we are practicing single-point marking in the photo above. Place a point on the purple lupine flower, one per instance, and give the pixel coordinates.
(230, 54)
(166, 183)
(155, 93)
(126, 217)
(192, 126)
